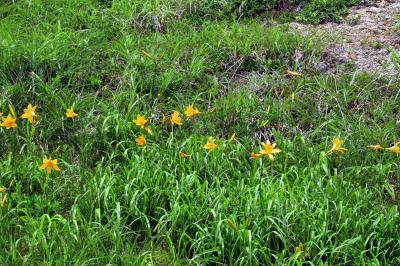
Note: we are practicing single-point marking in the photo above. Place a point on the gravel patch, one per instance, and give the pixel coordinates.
(362, 40)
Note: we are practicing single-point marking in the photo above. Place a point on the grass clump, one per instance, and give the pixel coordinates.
(308, 11)
(322, 10)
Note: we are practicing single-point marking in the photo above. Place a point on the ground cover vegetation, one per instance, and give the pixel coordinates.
(171, 133)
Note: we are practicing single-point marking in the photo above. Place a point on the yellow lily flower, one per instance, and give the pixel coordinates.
(269, 150)
(140, 141)
(231, 224)
(8, 122)
(210, 145)
(70, 113)
(12, 111)
(183, 154)
(191, 111)
(49, 165)
(176, 118)
(149, 131)
(232, 138)
(337, 146)
(140, 121)
(3, 201)
(375, 147)
(293, 73)
(146, 54)
(29, 113)
(254, 155)
(395, 149)
(299, 248)
(293, 96)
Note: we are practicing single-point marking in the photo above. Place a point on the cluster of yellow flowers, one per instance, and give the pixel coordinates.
(337, 147)
(175, 120)
(268, 149)
(30, 114)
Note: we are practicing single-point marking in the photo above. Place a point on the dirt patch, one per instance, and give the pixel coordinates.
(362, 41)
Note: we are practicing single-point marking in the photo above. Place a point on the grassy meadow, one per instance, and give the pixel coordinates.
(152, 192)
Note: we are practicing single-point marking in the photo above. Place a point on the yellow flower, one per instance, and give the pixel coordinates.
(176, 118)
(269, 149)
(29, 113)
(254, 155)
(146, 54)
(49, 165)
(183, 154)
(140, 121)
(395, 149)
(337, 146)
(191, 111)
(375, 147)
(231, 224)
(210, 145)
(8, 122)
(149, 131)
(12, 111)
(232, 138)
(293, 73)
(70, 113)
(140, 141)
(299, 248)
(3, 201)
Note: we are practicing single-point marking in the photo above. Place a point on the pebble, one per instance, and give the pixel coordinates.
(322, 67)
(377, 31)
(342, 60)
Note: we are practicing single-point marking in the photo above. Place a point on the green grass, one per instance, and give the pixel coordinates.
(317, 11)
(119, 204)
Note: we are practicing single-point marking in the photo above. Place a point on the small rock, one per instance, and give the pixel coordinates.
(298, 55)
(298, 9)
(342, 60)
(377, 31)
(322, 67)
(374, 9)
